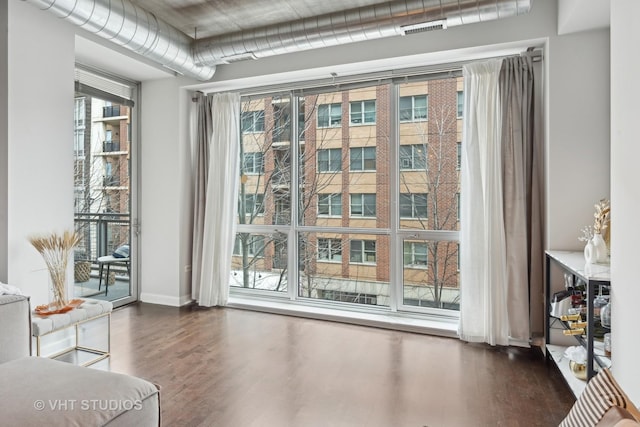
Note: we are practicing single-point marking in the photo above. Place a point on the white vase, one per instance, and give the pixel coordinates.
(600, 248)
(590, 255)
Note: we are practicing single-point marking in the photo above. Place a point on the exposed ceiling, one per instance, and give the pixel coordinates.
(202, 19)
(207, 18)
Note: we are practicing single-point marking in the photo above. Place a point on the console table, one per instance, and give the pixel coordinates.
(80, 336)
(594, 276)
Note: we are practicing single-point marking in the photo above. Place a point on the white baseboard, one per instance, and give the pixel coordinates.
(165, 299)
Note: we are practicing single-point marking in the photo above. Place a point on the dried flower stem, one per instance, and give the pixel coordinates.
(56, 249)
(601, 216)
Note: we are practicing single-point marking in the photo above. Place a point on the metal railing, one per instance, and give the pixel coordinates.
(110, 146)
(100, 234)
(111, 111)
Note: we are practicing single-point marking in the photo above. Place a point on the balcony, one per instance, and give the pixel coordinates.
(111, 111)
(111, 181)
(110, 146)
(100, 234)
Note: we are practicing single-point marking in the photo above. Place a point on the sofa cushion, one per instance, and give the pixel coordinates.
(601, 393)
(617, 417)
(43, 392)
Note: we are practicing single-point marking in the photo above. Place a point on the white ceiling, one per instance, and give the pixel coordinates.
(214, 17)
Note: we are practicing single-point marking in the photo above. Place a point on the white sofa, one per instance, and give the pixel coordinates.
(37, 391)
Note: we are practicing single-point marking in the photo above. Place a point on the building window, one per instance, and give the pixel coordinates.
(459, 148)
(329, 250)
(363, 205)
(413, 205)
(344, 296)
(413, 108)
(458, 206)
(362, 112)
(329, 115)
(413, 156)
(254, 244)
(254, 204)
(415, 254)
(330, 204)
(253, 163)
(253, 121)
(362, 159)
(460, 103)
(363, 251)
(330, 160)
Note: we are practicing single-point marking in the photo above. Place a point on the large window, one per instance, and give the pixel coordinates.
(363, 112)
(330, 204)
(413, 108)
(413, 205)
(361, 214)
(329, 160)
(253, 121)
(253, 163)
(413, 156)
(362, 159)
(363, 205)
(363, 251)
(329, 115)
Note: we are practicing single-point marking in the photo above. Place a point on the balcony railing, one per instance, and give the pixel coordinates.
(100, 234)
(111, 181)
(111, 111)
(110, 146)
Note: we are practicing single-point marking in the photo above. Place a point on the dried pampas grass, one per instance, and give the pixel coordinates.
(56, 249)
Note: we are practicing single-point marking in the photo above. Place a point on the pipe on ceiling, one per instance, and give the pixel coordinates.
(134, 28)
(365, 23)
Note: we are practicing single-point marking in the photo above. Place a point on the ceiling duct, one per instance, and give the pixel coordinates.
(365, 23)
(132, 27)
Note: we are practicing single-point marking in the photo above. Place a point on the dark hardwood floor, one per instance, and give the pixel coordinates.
(229, 367)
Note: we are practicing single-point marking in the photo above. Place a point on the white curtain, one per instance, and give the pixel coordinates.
(216, 195)
(501, 204)
(483, 301)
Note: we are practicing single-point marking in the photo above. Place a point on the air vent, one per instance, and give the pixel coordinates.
(440, 24)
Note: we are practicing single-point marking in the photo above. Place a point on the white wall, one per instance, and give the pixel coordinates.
(165, 180)
(577, 156)
(625, 193)
(40, 136)
(4, 146)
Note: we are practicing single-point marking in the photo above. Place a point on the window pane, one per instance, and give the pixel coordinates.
(428, 155)
(356, 112)
(406, 108)
(264, 196)
(323, 116)
(355, 159)
(334, 267)
(420, 107)
(259, 262)
(430, 274)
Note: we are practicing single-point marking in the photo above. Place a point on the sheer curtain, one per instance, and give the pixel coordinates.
(216, 195)
(501, 237)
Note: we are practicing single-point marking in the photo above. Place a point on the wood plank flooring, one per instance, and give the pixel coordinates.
(230, 367)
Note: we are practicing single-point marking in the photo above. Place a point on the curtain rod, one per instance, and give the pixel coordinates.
(454, 68)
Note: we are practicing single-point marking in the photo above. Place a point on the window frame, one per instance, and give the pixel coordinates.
(362, 113)
(333, 120)
(362, 250)
(413, 109)
(363, 205)
(363, 159)
(330, 160)
(330, 205)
